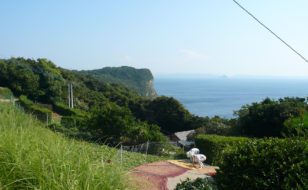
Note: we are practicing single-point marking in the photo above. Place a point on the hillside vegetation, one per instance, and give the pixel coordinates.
(43, 82)
(33, 157)
(138, 80)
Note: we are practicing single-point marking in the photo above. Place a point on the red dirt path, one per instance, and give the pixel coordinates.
(154, 176)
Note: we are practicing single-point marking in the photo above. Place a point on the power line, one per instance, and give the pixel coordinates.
(279, 38)
(70, 83)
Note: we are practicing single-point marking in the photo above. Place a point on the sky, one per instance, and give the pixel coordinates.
(166, 36)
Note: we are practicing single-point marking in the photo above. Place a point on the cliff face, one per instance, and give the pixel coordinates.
(139, 80)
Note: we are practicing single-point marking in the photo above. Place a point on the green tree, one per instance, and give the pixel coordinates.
(265, 119)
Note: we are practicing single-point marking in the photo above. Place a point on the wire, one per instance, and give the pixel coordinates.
(279, 38)
(35, 70)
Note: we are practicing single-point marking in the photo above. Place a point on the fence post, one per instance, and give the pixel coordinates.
(47, 119)
(11, 99)
(146, 152)
(121, 154)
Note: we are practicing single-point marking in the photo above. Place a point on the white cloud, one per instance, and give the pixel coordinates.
(190, 53)
(127, 59)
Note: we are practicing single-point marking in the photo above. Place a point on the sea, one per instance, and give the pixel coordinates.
(222, 96)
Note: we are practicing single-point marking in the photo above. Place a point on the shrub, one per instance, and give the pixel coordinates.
(297, 126)
(5, 93)
(213, 145)
(73, 122)
(264, 164)
(29, 106)
(65, 110)
(198, 184)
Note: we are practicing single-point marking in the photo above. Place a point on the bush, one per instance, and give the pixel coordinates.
(73, 122)
(29, 106)
(5, 93)
(198, 184)
(115, 124)
(264, 164)
(65, 110)
(213, 145)
(296, 127)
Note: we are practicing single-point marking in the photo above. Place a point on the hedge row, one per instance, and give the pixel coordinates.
(213, 145)
(65, 110)
(31, 107)
(73, 122)
(264, 164)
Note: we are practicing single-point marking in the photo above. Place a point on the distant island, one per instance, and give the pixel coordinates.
(139, 80)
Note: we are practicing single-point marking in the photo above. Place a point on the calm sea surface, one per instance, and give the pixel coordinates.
(210, 97)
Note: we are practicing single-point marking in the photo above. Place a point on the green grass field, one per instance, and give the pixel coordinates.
(33, 157)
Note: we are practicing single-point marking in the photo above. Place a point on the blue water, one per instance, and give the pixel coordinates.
(210, 97)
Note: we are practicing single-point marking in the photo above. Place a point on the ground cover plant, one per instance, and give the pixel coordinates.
(197, 184)
(33, 157)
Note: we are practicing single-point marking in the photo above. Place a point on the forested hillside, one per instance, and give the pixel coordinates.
(138, 80)
(134, 119)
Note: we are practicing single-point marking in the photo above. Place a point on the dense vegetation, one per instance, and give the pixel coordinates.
(138, 80)
(266, 119)
(264, 164)
(111, 113)
(45, 84)
(213, 146)
(5, 93)
(296, 126)
(269, 118)
(197, 184)
(33, 157)
(41, 113)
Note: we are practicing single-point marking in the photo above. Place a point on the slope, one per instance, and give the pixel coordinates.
(34, 157)
(138, 80)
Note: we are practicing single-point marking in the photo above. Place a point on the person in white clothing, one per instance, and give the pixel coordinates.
(192, 152)
(199, 158)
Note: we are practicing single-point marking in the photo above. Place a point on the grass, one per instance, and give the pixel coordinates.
(5, 93)
(33, 157)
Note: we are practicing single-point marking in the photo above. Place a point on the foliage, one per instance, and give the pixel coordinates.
(213, 146)
(168, 113)
(215, 125)
(197, 184)
(30, 107)
(117, 124)
(34, 157)
(66, 111)
(264, 164)
(5, 93)
(137, 80)
(265, 119)
(40, 80)
(296, 127)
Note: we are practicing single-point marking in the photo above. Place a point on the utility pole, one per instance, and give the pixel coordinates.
(70, 95)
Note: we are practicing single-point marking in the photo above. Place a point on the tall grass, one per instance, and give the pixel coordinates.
(32, 157)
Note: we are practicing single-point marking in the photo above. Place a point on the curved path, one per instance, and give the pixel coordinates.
(166, 174)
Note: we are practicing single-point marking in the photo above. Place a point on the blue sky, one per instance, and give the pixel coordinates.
(166, 36)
